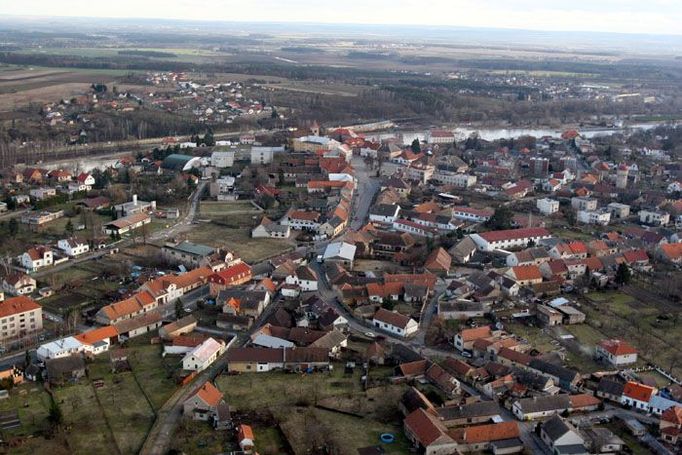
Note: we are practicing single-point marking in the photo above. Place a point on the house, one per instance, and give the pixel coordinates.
(301, 220)
(234, 275)
(132, 327)
(333, 341)
(202, 356)
(73, 247)
(61, 347)
(40, 194)
(222, 159)
(428, 434)
(269, 229)
(394, 323)
(177, 328)
(549, 316)
(654, 217)
(670, 425)
(18, 284)
(583, 203)
(637, 395)
(438, 262)
(601, 217)
(560, 436)
(135, 305)
(659, 404)
(610, 389)
(126, 224)
(62, 370)
(529, 256)
(384, 213)
(670, 252)
(462, 309)
(96, 341)
(464, 340)
(257, 360)
(85, 179)
(496, 438)
(510, 238)
(19, 316)
(547, 206)
(463, 251)
(565, 378)
(618, 211)
(304, 277)
(468, 413)
(471, 214)
(341, 253)
(203, 404)
(616, 352)
(526, 275)
(36, 258)
(540, 406)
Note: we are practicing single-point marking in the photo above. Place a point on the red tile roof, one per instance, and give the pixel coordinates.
(425, 427)
(476, 333)
(617, 347)
(583, 400)
(209, 394)
(393, 318)
(638, 391)
(673, 415)
(17, 305)
(491, 432)
(527, 272)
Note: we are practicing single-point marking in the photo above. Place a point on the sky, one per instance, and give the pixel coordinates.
(622, 16)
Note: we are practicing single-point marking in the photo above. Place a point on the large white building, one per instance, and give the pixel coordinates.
(583, 203)
(616, 352)
(547, 206)
(509, 238)
(601, 217)
(472, 214)
(446, 177)
(222, 159)
(654, 217)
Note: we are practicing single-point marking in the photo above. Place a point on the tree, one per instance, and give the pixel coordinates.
(501, 219)
(54, 416)
(69, 227)
(623, 274)
(179, 309)
(209, 140)
(416, 146)
(13, 226)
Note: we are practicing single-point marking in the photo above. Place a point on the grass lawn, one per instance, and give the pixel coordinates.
(87, 430)
(153, 372)
(587, 335)
(534, 335)
(32, 403)
(124, 404)
(238, 240)
(292, 399)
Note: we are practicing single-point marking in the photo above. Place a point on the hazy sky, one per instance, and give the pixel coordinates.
(628, 16)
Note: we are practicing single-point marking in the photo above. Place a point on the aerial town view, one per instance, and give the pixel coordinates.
(359, 228)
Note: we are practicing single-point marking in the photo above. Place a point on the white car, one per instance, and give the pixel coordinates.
(370, 335)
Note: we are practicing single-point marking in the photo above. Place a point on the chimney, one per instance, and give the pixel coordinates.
(134, 199)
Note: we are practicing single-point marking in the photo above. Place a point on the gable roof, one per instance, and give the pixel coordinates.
(393, 318)
(673, 415)
(491, 432)
(16, 305)
(209, 394)
(95, 335)
(475, 333)
(513, 234)
(426, 428)
(439, 259)
(637, 391)
(617, 347)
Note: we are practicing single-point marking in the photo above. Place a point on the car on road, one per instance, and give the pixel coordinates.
(188, 310)
(370, 334)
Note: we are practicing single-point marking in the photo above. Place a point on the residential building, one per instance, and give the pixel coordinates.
(234, 275)
(302, 220)
(428, 434)
(637, 395)
(618, 211)
(670, 425)
(135, 206)
(654, 217)
(547, 206)
(304, 277)
(464, 340)
(222, 159)
(395, 323)
(616, 352)
(18, 284)
(203, 404)
(19, 316)
(510, 238)
(37, 258)
(126, 224)
(42, 193)
(73, 247)
(189, 254)
(583, 203)
(202, 356)
(560, 436)
(540, 406)
(269, 229)
(384, 213)
(341, 253)
(601, 217)
(258, 360)
(471, 214)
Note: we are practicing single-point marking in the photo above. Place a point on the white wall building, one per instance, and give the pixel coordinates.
(601, 217)
(394, 323)
(547, 206)
(201, 357)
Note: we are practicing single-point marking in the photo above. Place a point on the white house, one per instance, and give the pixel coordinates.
(601, 217)
(18, 284)
(86, 180)
(471, 214)
(618, 210)
(654, 217)
(583, 203)
(557, 433)
(446, 177)
(36, 258)
(73, 247)
(304, 277)
(547, 206)
(59, 348)
(637, 395)
(616, 352)
(42, 193)
(202, 356)
(384, 213)
(509, 238)
(394, 323)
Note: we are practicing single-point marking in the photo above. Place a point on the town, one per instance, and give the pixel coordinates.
(381, 290)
